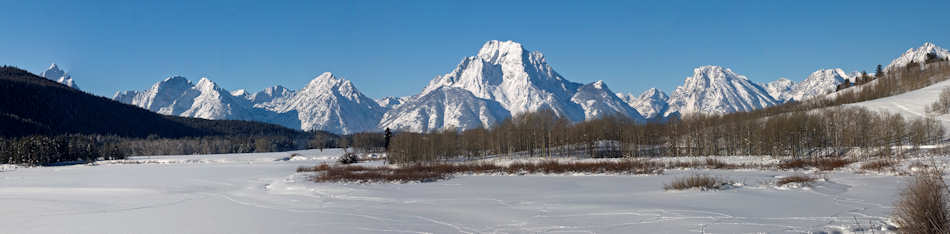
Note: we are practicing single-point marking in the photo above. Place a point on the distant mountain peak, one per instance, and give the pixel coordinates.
(57, 74)
(820, 82)
(918, 55)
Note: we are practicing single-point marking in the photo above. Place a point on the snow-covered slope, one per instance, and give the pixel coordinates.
(651, 103)
(271, 98)
(57, 74)
(444, 108)
(333, 104)
(820, 82)
(392, 102)
(918, 55)
(598, 101)
(717, 90)
(516, 79)
(911, 104)
(779, 88)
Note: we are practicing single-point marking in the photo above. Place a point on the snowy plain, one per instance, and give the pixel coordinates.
(262, 193)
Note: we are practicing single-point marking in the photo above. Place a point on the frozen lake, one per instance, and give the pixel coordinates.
(261, 193)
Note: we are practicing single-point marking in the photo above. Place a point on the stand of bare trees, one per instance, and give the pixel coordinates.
(823, 133)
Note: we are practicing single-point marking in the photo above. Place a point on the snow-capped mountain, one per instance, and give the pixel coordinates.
(779, 88)
(820, 82)
(717, 90)
(332, 104)
(180, 97)
(60, 76)
(444, 108)
(517, 80)
(651, 103)
(918, 55)
(598, 101)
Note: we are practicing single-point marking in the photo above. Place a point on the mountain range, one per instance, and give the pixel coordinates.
(501, 80)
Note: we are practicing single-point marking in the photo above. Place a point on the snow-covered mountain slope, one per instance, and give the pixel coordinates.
(57, 74)
(717, 90)
(651, 103)
(391, 102)
(820, 82)
(520, 82)
(240, 93)
(598, 101)
(918, 55)
(333, 104)
(205, 99)
(911, 104)
(444, 108)
(779, 88)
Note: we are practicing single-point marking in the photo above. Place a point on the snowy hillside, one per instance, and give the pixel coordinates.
(918, 55)
(57, 74)
(717, 90)
(911, 105)
(820, 82)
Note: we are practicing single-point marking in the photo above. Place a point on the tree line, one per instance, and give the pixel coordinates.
(829, 132)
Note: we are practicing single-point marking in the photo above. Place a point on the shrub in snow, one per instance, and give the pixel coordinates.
(349, 158)
(922, 207)
(702, 182)
(801, 179)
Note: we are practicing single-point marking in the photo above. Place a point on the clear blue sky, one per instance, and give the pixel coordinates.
(393, 48)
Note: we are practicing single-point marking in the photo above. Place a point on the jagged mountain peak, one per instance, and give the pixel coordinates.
(55, 73)
(717, 90)
(54, 67)
(918, 55)
(206, 84)
(779, 88)
(820, 82)
(654, 93)
(713, 72)
(650, 104)
(496, 52)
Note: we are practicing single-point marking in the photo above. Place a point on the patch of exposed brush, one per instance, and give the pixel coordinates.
(709, 163)
(438, 171)
(800, 179)
(879, 165)
(923, 206)
(701, 182)
(824, 164)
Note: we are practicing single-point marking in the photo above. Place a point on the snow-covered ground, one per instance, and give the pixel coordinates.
(261, 193)
(911, 104)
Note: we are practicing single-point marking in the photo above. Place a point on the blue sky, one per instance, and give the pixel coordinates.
(393, 48)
